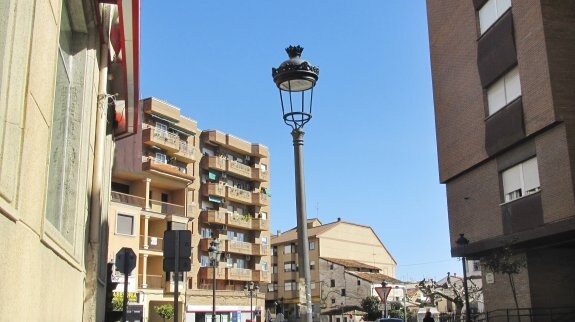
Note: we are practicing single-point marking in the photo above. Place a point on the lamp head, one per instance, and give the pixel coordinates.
(462, 241)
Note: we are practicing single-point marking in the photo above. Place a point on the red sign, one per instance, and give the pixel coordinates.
(383, 292)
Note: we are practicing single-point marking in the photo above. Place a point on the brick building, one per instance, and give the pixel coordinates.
(503, 78)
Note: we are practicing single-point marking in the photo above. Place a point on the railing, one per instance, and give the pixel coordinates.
(169, 138)
(128, 199)
(243, 274)
(186, 150)
(151, 243)
(167, 208)
(152, 281)
(240, 168)
(239, 194)
(558, 314)
(164, 164)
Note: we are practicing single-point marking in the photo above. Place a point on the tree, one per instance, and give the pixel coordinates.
(165, 311)
(452, 290)
(370, 305)
(504, 262)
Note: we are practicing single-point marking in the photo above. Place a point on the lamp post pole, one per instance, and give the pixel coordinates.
(462, 241)
(214, 254)
(293, 77)
(251, 289)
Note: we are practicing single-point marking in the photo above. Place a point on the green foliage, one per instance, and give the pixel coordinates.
(370, 305)
(118, 302)
(166, 311)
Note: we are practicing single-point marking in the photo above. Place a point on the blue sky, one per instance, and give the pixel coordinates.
(370, 151)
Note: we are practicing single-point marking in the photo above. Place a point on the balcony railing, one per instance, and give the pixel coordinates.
(152, 281)
(239, 274)
(240, 247)
(239, 169)
(161, 138)
(151, 243)
(128, 199)
(167, 208)
(186, 152)
(239, 195)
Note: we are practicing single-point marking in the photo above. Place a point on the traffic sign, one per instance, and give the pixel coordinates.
(125, 260)
(177, 245)
(383, 292)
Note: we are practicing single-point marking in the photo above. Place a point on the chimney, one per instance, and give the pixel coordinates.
(338, 218)
(279, 232)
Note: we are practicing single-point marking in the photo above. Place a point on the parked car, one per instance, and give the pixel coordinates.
(390, 320)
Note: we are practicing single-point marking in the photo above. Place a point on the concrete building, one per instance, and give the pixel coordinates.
(173, 176)
(59, 62)
(346, 262)
(503, 77)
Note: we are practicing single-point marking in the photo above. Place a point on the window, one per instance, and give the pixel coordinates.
(205, 261)
(274, 269)
(161, 127)
(289, 267)
(358, 282)
(331, 266)
(70, 128)
(332, 300)
(206, 232)
(272, 287)
(274, 251)
(503, 91)
(264, 240)
(312, 265)
(264, 215)
(161, 158)
(490, 12)
(290, 285)
(520, 180)
(288, 249)
(332, 283)
(264, 267)
(124, 224)
(343, 292)
(311, 245)
(240, 263)
(476, 266)
(229, 262)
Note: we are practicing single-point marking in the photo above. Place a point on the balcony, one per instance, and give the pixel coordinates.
(260, 175)
(240, 221)
(161, 138)
(158, 166)
(214, 189)
(261, 276)
(213, 162)
(239, 195)
(186, 152)
(167, 208)
(213, 217)
(151, 282)
(151, 243)
(238, 247)
(260, 199)
(260, 224)
(128, 199)
(260, 250)
(239, 274)
(260, 150)
(239, 169)
(207, 273)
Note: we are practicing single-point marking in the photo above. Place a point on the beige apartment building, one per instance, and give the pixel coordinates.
(339, 252)
(173, 176)
(57, 68)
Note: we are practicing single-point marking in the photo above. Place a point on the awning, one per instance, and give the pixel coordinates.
(266, 191)
(165, 119)
(212, 175)
(215, 199)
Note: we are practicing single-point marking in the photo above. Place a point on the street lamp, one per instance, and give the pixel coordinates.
(251, 289)
(462, 241)
(214, 254)
(404, 307)
(296, 77)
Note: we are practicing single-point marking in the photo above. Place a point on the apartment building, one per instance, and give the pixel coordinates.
(503, 77)
(173, 176)
(337, 250)
(57, 69)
